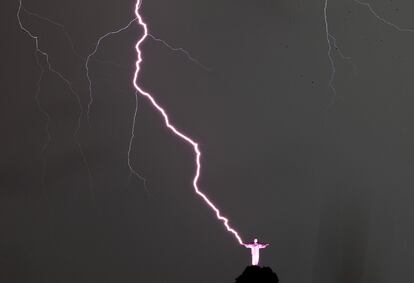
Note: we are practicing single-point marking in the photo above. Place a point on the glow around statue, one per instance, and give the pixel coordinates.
(255, 249)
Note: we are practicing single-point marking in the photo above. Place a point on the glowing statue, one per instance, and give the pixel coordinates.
(255, 248)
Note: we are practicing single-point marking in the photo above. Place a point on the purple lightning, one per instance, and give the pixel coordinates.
(173, 129)
(87, 60)
(115, 32)
(91, 97)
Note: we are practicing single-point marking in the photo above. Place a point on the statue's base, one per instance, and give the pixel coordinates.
(257, 274)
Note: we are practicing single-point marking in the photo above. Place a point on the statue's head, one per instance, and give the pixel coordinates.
(255, 241)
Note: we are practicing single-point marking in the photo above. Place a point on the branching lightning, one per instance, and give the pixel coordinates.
(331, 46)
(55, 23)
(343, 56)
(172, 128)
(131, 141)
(68, 37)
(331, 60)
(332, 42)
(50, 68)
(165, 43)
(373, 12)
(38, 50)
(180, 49)
(91, 97)
(88, 58)
(91, 100)
(87, 61)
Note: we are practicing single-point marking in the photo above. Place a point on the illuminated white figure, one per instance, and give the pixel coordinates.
(255, 248)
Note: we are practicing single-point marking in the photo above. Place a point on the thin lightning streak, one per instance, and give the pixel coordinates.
(70, 86)
(86, 60)
(132, 170)
(342, 55)
(172, 127)
(180, 49)
(47, 117)
(89, 58)
(47, 129)
(91, 99)
(59, 25)
(39, 105)
(328, 39)
(382, 19)
(68, 37)
(50, 68)
(338, 49)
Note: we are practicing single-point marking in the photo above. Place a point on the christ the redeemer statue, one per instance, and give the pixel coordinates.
(255, 248)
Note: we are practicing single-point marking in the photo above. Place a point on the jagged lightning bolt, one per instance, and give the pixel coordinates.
(172, 128)
(86, 61)
(98, 42)
(91, 98)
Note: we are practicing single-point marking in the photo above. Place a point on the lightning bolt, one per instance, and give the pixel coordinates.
(373, 12)
(180, 49)
(66, 81)
(131, 141)
(172, 128)
(331, 60)
(343, 56)
(91, 97)
(332, 42)
(55, 23)
(88, 59)
(108, 34)
(50, 67)
(45, 114)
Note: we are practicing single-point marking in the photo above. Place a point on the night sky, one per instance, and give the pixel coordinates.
(326, 179)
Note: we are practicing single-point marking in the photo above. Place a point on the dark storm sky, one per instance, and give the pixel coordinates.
(330, 186)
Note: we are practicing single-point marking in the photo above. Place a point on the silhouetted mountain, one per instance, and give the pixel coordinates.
(257, 274)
